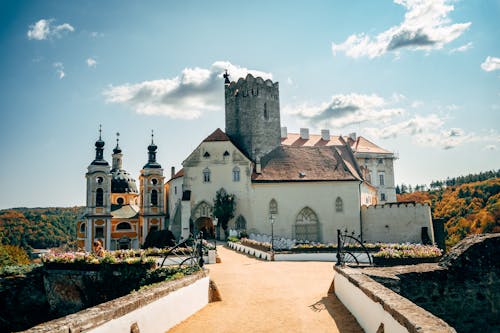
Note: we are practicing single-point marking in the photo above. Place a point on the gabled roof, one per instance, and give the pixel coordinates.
(302, 164)
(360, 145)
(217, 135)
(124, 212)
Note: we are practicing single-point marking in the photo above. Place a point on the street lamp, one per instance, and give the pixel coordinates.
(271, 219)
(215, 221)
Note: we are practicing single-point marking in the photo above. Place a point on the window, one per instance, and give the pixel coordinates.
(123, 226)
(339, 205)
(381, 179)
(307, 225)
(266, 113)
(99, 180)
(99, 232)
(367, 160)
(380, 161)
(153, 228)
(154, 181)
(175, 189)
(120, 201)
(206, 155)
(206, 175)
(99, 197)
(241, 223)
(226, 154)
(82, 227)
(236, 174)
(273, 207)
(382, 197)
(154, 198)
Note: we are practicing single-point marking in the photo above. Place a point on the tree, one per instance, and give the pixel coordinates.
(224, 206)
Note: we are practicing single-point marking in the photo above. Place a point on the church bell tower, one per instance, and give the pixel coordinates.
(98, 208)
(152, 200)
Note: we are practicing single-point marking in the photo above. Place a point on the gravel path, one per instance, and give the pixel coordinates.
(263, 296)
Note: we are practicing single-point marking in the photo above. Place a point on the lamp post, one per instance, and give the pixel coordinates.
(215, 221)
(271, 219)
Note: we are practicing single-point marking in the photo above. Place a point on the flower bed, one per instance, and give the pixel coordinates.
(261, 246)
(407, 254)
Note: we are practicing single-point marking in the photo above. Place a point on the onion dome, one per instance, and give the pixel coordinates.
(152, 164)
(122, 182)
(99, 151)
(117, 149)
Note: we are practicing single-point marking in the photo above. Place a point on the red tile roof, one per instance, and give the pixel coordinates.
(360, 145)
(217, 135)
(297, 163)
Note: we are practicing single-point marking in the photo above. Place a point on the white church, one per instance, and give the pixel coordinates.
(307, 185)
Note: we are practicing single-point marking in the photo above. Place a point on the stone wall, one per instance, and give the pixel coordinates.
(463, 289)
(396, 223)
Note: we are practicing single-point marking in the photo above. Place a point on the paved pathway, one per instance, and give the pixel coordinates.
(263, 296)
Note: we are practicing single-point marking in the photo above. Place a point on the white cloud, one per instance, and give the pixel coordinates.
(413, 126)
(91, 62)
(345, 110)
(490, 147)
(416, 104)
(186, 96)
(491, 64)
(95, 34)
(45, 29)
(289, 81)
(462, 48)
(426, 26)
(59, 69)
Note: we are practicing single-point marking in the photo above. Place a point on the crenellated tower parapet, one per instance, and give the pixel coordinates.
(253, 115)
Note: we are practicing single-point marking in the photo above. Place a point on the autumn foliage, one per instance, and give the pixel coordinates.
(466, 209)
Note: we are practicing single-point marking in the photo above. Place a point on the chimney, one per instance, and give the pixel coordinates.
(325, 135)
(284, 133)
(172, 172)
(258, 167)
(304, 133)
(353, 136)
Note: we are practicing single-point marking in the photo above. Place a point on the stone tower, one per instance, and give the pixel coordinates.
(152, 210)
(253, 115)
(98, 209)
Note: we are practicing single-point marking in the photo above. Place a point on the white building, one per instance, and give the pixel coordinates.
(310, 185)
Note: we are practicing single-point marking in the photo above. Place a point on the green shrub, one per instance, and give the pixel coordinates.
(13, 255)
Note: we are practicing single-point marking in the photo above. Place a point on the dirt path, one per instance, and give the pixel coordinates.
(262, 296)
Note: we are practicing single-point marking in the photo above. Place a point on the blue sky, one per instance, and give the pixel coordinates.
(421, 78)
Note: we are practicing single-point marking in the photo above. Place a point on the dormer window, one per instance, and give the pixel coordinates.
(206, 155)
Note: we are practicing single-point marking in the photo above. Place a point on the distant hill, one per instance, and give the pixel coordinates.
(39, 227)
(469, 208)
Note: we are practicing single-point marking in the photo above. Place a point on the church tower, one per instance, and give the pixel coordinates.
(253, 115)
(98, 209)
(152, 207)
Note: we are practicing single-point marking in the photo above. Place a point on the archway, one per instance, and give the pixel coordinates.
(307, 225)
(205, 225)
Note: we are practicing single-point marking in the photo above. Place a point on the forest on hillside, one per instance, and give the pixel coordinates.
(39, 227)
(468, 208)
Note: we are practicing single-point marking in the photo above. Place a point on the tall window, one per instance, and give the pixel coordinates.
(99, 197)
(241, 223)
(266, 113)
(381, 179)
(236, 174)
(99, 232)
(82, 227)
(339, 205)
(382, 197)
(206, 175)
(307, 225)
(273, 207)
(154, 198)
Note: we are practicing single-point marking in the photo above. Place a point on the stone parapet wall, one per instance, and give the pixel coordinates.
(149, 309)
(396, 222)
(379, 309)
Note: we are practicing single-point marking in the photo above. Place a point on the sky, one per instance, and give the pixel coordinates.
(420, 78)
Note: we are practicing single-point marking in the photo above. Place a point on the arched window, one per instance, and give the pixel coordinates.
(236, 174)
(99, 180)
(82, 227)
(241, 223)
(273, 207)
(339, 205)
(266, 113)
(154, 198)
(206, 175)
(307, 225)
(99, 197)
(154, 181)
(123, 226)
(203, 209)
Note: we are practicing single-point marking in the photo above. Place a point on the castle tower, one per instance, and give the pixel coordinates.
(253, 115)
(152, 207)
(98, 208)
